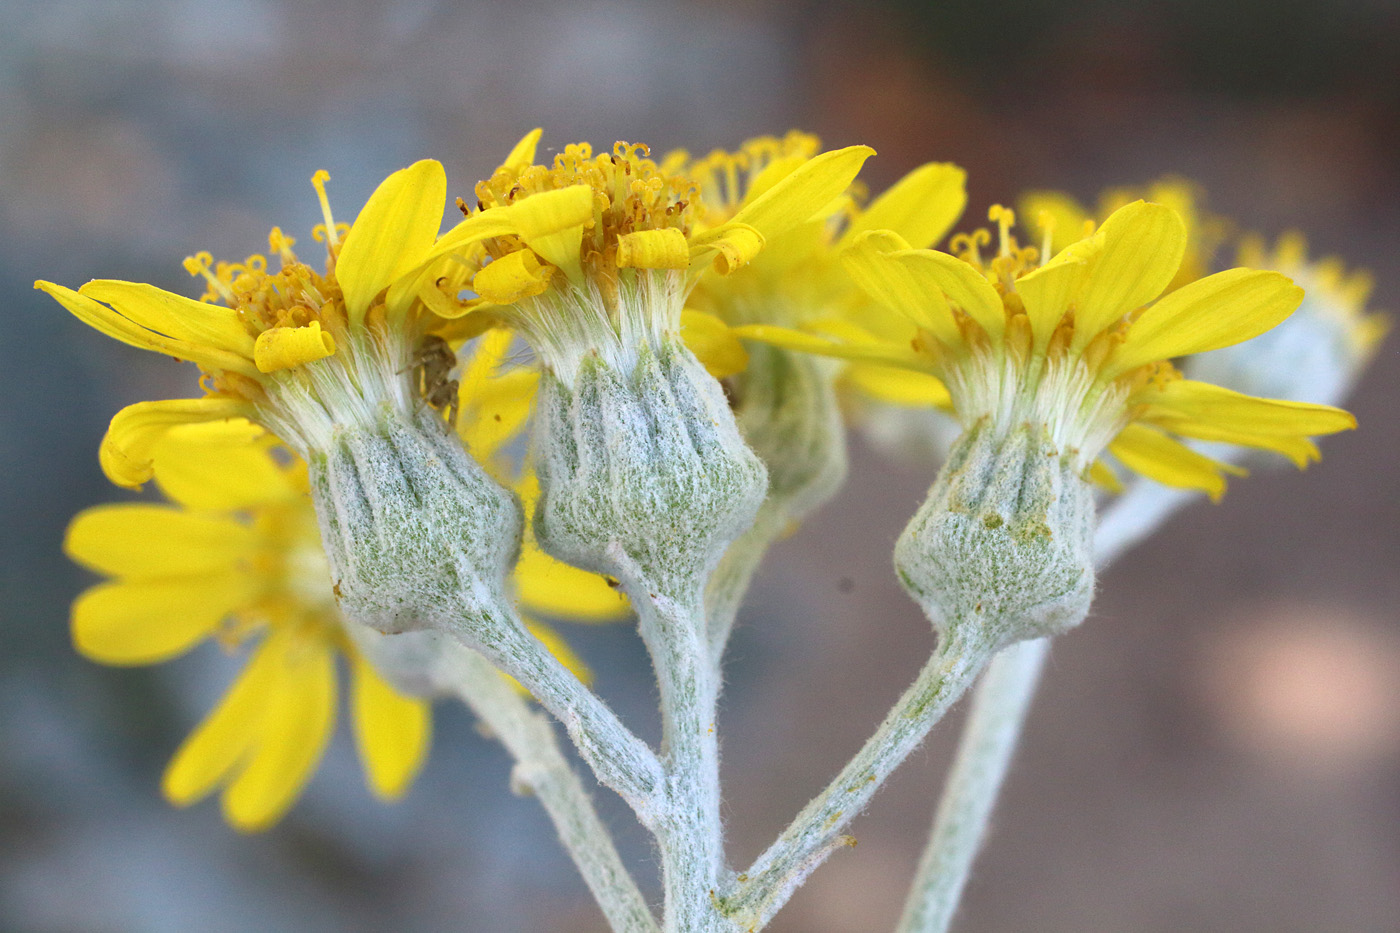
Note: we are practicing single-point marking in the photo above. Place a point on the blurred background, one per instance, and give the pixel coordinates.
(1217, 748)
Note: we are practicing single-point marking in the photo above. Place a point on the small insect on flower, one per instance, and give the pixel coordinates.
(433, 364)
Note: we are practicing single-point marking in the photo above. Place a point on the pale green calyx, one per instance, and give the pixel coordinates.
(417, 534)
(1002, 547)
(643, 475)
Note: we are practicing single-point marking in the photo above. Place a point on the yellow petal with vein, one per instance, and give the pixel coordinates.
(960, 283)
(392, 235)
(148, 621)
(137, 540)
(1169, 462)
(198, 322)
(1217, 311)
(550, 587)
(897, 386)
(222, 465)
(392, 731)
(221, 741)
(713, 343)
(284, 347)
(100, 317)
(293, 736)
(512, 277)
(126, 451)
(804, 191)
(1141, 248)
(872, 264)
(1047, 293)
(921, 207)
(653, 249)
(1186, 406)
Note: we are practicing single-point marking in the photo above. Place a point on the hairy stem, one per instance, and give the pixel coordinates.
(542, 769)
(817, 829)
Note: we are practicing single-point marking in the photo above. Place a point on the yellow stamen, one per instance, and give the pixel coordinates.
(1004, 218)
(281, 244)
(330, 230)
(199, 264)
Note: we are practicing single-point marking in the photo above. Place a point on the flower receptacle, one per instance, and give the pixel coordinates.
(418, 536)
(643, 475)
(1003, 543)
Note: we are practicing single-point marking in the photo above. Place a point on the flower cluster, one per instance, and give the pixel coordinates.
(350, 468)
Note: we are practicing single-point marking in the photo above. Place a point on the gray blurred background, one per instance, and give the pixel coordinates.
(1218, 748)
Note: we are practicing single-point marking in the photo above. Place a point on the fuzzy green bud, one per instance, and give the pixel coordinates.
(1002, 547)
(418, 536)
(643, 475)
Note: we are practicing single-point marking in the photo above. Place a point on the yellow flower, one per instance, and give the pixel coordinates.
(237, 557)
(299, 350)
(800, 278)
(617, 275)
(1081, 344)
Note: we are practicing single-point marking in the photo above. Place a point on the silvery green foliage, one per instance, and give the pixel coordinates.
(1002, 546)
(416, 533)
(786, 408)
(643, 475)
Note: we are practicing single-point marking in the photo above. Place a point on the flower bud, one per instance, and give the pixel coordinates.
(786, 410)
(643, 476)
(1002, 547)
(417, 534)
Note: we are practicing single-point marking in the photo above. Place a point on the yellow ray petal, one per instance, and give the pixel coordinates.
(653, 249)
(713, 343)
(197, 322)
(293, 736)
(1217, 311)
(960, 283)
(284, 347)
(524, 152)
(803, 342)
(214, 749)
(392, 731)
(514, 276)
(921, 207)
(877, 272)
(1185, 406)
(1047, 293)
(148, 621)
(221, 465)
(125, 454)
(897, 386)
(137, 540)
(1171, 463)
(497, 412)
(102, 318)
(550, 587)
(795, 198)
(1142, 246)
(392, 235)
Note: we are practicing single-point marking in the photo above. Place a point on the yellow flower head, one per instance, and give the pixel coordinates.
(298, 350)
(237, 557)
(1082, 344)
(622, 248)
